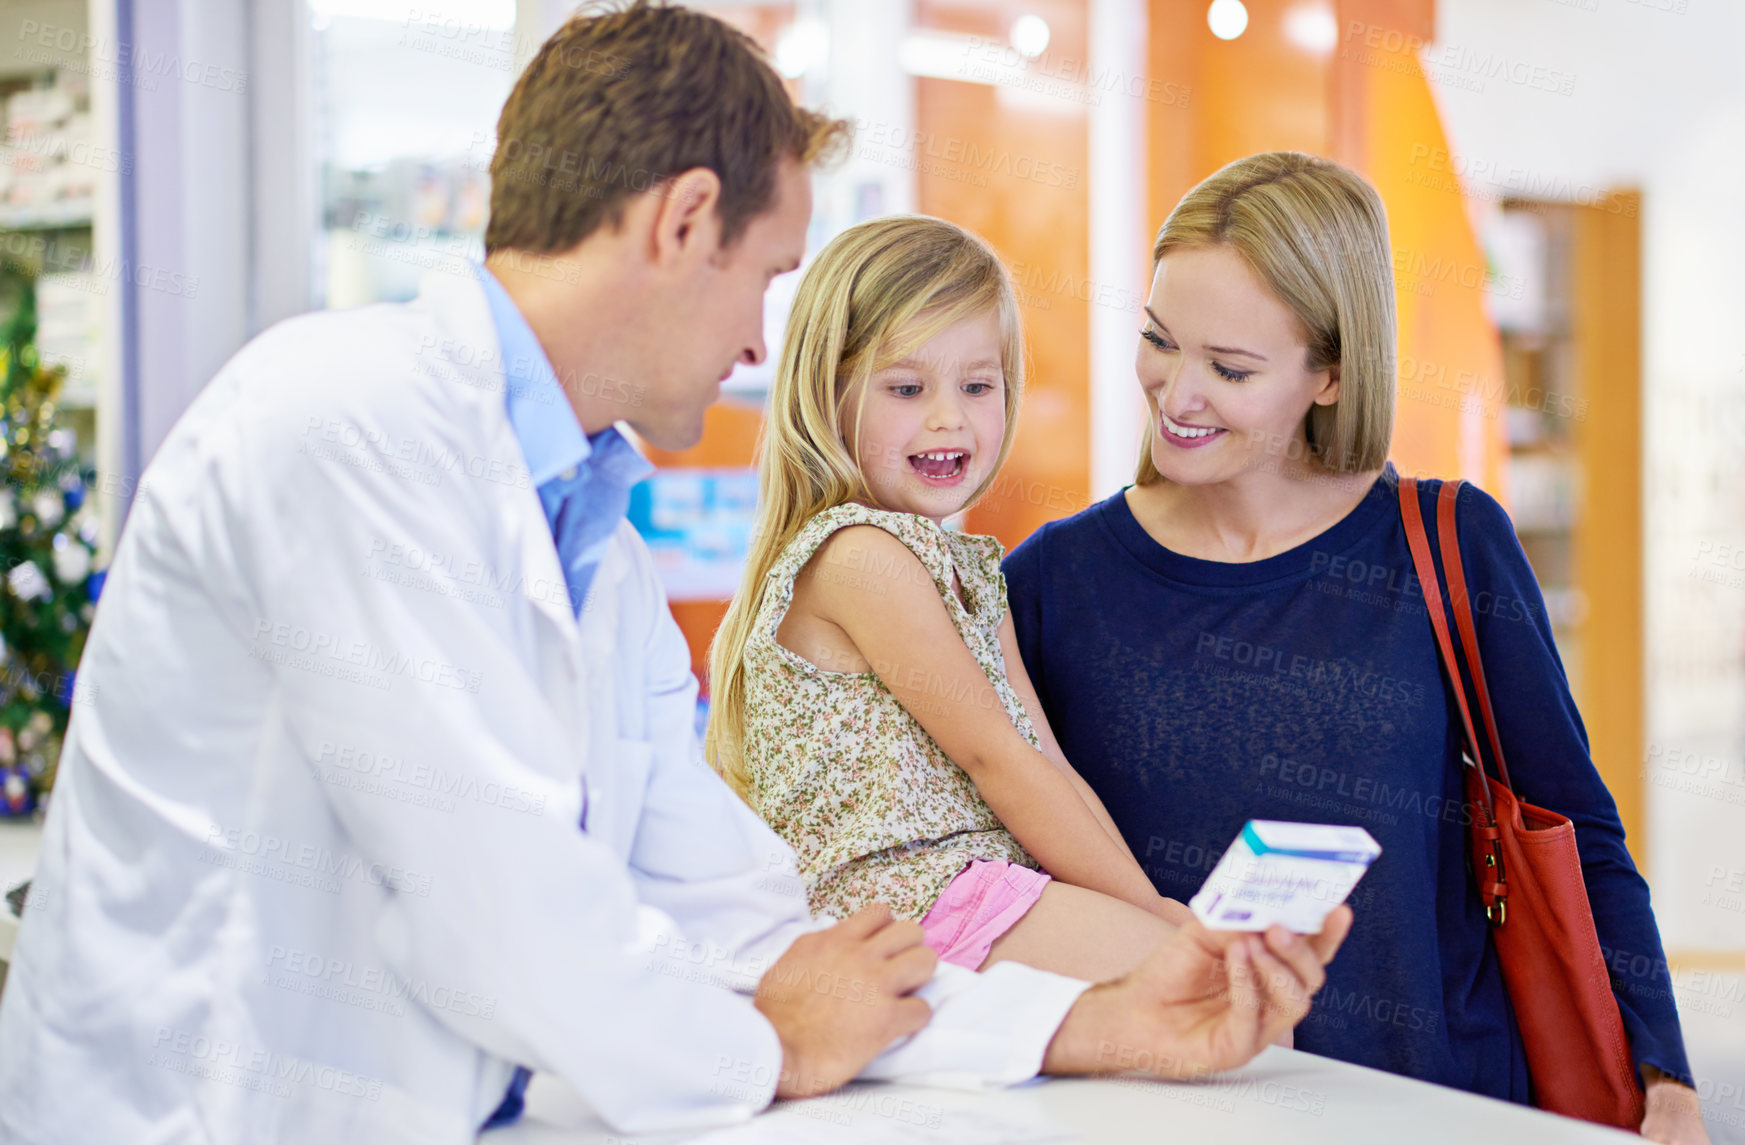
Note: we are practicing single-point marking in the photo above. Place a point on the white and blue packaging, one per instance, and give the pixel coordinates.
(1293, 874)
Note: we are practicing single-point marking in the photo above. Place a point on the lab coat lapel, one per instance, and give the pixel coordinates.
(593, 703)
(473, 354)
(545, 585)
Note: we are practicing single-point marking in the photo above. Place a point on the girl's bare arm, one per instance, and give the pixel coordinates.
(894, 616)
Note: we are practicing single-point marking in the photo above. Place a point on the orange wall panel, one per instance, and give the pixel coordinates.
(1607, 314)
(1450, 414)
(1258, 92)
(1028, 197)
(730, 432)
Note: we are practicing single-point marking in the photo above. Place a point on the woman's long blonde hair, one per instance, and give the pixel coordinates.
(1317, 234)
(876, 293)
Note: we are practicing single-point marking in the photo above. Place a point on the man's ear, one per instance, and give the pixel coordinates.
(1329, 392)
(688, 219)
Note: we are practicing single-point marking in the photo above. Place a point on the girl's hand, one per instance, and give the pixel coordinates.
(1674, 1116)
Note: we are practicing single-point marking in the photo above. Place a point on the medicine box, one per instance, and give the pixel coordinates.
(1289, 873)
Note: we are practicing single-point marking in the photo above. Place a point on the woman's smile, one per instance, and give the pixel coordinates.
(1186, 436)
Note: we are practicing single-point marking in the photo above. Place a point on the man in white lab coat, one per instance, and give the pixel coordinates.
(391, 786)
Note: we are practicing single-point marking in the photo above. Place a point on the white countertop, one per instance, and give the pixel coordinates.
(1282, 1096)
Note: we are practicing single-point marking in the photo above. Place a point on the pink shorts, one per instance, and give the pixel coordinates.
(983, 902)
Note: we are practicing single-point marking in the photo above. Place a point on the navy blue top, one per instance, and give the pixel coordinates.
(1195, 695)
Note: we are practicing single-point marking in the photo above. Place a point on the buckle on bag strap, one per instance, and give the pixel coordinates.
(1495, 896)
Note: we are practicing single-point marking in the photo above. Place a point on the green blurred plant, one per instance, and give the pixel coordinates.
(48, 546)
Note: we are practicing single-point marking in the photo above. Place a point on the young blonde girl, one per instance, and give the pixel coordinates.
(868, 699)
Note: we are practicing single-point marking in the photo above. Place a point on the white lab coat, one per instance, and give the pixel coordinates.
(312, 871)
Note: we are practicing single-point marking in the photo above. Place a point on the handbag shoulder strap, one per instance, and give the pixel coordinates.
(1460, 598)
(1486, 833)
(1431, 582)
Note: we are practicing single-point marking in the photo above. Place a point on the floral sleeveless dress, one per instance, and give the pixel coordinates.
(874, 808)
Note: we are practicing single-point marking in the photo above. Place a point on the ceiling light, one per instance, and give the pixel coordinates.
(1313, 28)
(802, 45)
(1030, 36)
(1227, 18)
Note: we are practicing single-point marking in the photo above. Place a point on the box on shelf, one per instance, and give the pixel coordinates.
(38, 109)
(1546, 491)
(50, 165)
(67, 331)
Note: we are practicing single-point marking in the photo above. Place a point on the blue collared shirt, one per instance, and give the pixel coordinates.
(583, 482)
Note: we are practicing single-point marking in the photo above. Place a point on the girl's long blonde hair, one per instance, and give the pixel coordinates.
(1317, 234)
(876, 293)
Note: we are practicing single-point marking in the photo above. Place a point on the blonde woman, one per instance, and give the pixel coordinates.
(1237, 635)
(867, 699)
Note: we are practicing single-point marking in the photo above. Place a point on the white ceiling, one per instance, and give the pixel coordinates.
(1644, 79)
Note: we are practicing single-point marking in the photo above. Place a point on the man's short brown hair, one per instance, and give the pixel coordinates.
(617, 102)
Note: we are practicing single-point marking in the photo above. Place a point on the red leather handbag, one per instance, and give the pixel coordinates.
(1529, 878)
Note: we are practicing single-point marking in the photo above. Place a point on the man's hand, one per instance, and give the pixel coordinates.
(840, 996)
(1202, 1001)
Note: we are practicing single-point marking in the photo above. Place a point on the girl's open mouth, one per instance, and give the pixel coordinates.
(941, 467)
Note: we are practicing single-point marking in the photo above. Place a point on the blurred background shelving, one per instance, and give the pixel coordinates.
(51, 162)
(1569, 315)
(404, 184)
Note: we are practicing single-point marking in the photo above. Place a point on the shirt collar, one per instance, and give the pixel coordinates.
(552, 440)
(614, 458)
